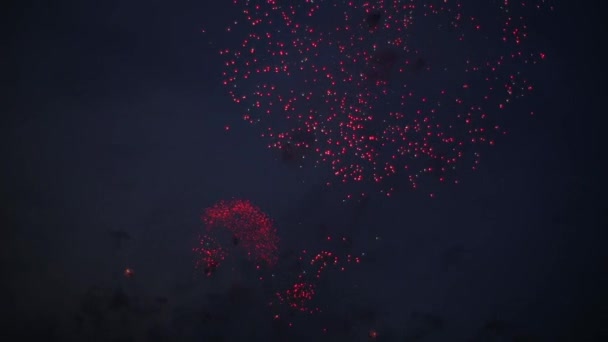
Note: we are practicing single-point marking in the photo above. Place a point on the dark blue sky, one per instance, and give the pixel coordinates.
(114, 120)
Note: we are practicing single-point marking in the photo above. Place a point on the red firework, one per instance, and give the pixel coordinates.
(381, 89)
(250, 228)
(300, 294)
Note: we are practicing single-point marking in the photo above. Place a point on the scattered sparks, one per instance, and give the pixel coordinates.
(381, 90)
(299, 296)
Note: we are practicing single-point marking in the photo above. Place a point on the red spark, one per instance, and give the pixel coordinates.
(128, 272)
(373, 334)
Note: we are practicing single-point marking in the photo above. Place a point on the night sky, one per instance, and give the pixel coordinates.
(119, 132)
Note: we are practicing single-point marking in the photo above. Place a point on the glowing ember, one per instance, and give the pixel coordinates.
(128, 272)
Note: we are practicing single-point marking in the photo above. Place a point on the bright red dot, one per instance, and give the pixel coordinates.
(373, 334)
(128, 272)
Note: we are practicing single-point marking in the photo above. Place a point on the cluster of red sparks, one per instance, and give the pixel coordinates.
(209, 255)
(256, 235)
(300, 294)
(379, 89)
(250, 228)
